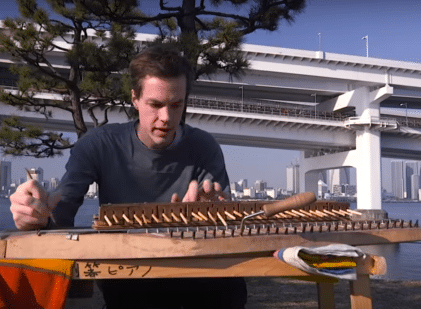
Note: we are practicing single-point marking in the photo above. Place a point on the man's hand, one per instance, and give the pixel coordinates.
(206, 193)
(31, 205)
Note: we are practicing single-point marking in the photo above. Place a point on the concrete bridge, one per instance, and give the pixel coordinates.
(338, 110)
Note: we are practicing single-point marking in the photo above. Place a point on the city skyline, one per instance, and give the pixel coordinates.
(335, 182)
(406, 179)
(235, 166)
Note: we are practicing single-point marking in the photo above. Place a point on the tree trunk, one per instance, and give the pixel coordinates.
(77, 113)
(188, 37)
(187, 21)
(74, 79)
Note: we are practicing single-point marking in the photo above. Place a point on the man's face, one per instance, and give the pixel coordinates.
(160, 107)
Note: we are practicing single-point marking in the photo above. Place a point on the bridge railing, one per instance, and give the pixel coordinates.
(259, 107)
(262, 108)
(409, 122)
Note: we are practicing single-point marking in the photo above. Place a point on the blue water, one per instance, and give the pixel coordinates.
(403, 260)
(82, 219)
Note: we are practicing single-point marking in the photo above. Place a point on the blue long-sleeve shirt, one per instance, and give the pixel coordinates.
(126, 171)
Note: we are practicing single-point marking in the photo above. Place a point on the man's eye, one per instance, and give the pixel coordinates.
(156, 105)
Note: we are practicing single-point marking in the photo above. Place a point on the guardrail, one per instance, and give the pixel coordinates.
(408, 122)
(256, 107)
(262, 108)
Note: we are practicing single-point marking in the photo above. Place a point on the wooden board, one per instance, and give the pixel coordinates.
(360, 292)
(137, 246)
(325, 295)
(242, 266)
(190, 268)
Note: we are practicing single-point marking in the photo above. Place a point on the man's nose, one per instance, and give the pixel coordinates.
(164, 114)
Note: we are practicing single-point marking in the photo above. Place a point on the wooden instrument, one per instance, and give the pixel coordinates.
(212, 239)
(298, 208)
(173, 230)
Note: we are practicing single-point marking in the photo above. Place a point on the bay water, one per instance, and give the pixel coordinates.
(403, 260)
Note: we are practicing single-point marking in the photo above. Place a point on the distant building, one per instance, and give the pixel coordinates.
(249, 192)
(261, 194)
(338, 177)
(5, 176)
(284, 192)
(411, 168)
(242, 183)
(404, 185)
(237, 195)
(93, 190)
(337, 190)
(260, 186)
(293, 178)
(271, 192)
(321, 189)
(12, 188)
(415, 185)
(349, 190)
(235, 187)
(54, 183)
(397, 172)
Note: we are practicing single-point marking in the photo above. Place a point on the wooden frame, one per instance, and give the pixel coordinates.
(131, 255)
(229, 266)
(79, 246)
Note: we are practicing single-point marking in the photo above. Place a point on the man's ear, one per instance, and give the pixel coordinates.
(134, 99)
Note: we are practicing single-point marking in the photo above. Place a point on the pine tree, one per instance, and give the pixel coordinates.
(209, 32)
(97, 39)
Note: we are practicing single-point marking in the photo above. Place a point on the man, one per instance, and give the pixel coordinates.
(155, 159)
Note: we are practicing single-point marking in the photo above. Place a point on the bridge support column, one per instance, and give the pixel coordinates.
(368, 164)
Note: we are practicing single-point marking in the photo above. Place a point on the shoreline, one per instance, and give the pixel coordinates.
(282, 293)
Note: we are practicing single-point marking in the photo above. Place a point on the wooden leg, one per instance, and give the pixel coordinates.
(360, 292)
(325, 295)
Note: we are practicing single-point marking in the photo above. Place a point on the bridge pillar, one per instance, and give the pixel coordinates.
(368, 148)
(368, 165)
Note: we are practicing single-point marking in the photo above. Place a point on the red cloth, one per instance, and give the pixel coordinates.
(41, 283)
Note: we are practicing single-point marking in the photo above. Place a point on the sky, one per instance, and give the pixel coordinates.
(335, 26)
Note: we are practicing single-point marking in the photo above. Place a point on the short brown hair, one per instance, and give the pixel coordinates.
(163, 61)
